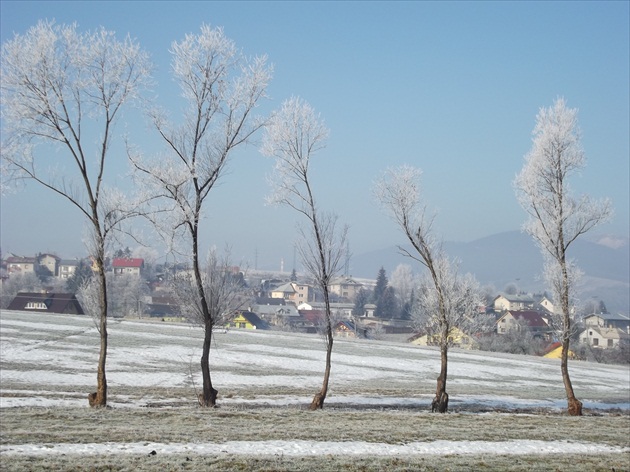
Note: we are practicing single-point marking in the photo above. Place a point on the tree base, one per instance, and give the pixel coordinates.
(318, 401)
(440, 403)
(210, 401)
(96, 400)
(575, 407)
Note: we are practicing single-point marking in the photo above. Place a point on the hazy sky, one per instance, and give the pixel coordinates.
(450, 87)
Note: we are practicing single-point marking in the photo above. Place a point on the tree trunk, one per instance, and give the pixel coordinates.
(320, 397)
(98, 399)
(208, 398)
(440, 402)
(574, 406)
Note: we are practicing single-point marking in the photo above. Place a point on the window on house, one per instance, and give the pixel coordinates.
(36, 305)
(595, 342)
(242, 325)
(610, 343)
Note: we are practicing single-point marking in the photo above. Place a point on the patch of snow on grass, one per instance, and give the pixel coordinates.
(319, 448)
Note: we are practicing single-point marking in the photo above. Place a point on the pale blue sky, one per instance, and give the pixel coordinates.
(451, 87)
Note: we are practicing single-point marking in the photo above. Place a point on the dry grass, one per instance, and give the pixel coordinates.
(194, 425)
(167, 413)
(451, 463)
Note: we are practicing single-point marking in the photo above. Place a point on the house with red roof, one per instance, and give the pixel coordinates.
(535, 321)
(127, 266)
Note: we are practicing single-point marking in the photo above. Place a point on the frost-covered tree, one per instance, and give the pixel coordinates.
(403, 281)
(294, 134)
(556, 217)
(221, 89)
(62, 93)
(26, 282)
(446, 300)
(79, 276)
(224, 294)
(127, 295)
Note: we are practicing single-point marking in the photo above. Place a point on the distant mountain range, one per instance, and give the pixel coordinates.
(513, 257)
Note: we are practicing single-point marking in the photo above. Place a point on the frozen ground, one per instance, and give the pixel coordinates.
(49, 362)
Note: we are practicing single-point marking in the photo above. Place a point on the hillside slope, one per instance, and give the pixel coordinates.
(512, 257)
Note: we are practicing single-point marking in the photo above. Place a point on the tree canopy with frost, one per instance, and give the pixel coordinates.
(293, 135)
(556, 218)
(65, 89)
(221, 88)
(445, 300)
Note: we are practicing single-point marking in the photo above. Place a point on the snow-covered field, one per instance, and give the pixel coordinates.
(48, 362)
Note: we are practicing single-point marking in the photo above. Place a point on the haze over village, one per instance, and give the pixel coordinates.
(444, 184)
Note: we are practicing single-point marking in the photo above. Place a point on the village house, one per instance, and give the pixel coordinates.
(546, 304)
(275, 311)
(247, 320)
(124, 266)
(67, 268)
(345, 329)
(608, 320)
(21, 265)
(369, 310)
(62, 303)
(287, 292)
(456, 338)
(48, 262)
(513, 302)
(345, 287)
(534, 320)
(604, 337)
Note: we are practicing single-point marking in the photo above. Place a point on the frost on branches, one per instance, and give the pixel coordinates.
(292, 136)
(556, 217)
(446, 300)
(221, 89)
(66, 89)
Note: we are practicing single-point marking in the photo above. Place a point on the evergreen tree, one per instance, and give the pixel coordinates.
(381, 285)
(387, 305)
(363, 297)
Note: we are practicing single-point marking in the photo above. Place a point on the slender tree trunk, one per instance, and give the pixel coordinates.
(208, 398)
(440, 402)
(574, 406)
(98, 399)
(320, 397)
